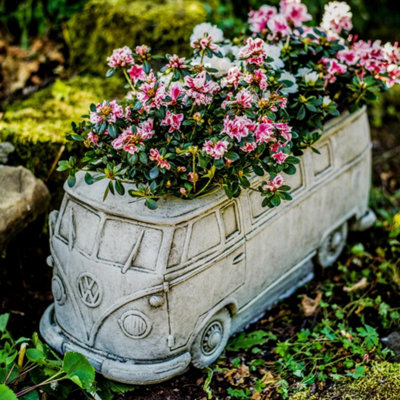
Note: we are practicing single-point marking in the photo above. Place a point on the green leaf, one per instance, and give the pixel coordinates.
(71, 181)
(154, 172)
(275, 200)
(89, 179)
(33, 395)
(110, 72)
(6, 393)
(119, 187)
(245, 341)
(231, 155)
(258, 170)
(301, 113)
(151, 203)
(78, 370)
(143, 157)
(3, 321)
(35, 355)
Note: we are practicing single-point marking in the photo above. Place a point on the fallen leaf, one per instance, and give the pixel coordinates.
(361, 284)
(236, 376)
(309, 305)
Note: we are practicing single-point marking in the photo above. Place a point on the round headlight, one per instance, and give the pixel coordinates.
(134, 324)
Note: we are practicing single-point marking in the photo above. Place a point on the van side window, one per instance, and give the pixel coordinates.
(118, 240)
(230, 219)
(205, 235)
(178, 243)
(322, 162)
(73, 225)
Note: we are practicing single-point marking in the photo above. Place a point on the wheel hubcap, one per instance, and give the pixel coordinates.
(212, 337)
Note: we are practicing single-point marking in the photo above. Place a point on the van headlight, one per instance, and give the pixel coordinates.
(135, 324)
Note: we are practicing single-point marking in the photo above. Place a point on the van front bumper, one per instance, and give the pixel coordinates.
(126, 371)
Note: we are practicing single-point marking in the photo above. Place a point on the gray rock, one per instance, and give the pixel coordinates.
(22, 198)
(5, 149)
(392, 341)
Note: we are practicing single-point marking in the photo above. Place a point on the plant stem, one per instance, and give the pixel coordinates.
(128, 79)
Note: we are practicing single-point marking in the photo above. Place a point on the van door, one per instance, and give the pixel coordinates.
(213, 269)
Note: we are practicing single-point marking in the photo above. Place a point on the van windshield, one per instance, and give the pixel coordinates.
(74, 226)
(129, 244)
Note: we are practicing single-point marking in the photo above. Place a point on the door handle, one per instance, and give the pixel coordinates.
(238, 258)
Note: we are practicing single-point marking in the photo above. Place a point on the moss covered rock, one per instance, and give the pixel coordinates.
(103, 25)
(381, 382)
(38, 125)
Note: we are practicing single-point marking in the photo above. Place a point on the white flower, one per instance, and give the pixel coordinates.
(326, 101)
(275, 53)
(222, 64)
(311, 78)
(201, 29)
(303, 71)
(337, 16)
(230, 49)
(287, 76)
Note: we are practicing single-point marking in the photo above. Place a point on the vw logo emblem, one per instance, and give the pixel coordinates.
(89, 290)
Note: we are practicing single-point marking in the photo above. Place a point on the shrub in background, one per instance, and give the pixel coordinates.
(106, 24)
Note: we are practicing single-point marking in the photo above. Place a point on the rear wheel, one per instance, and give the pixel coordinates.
(211, 340)
(332, 246)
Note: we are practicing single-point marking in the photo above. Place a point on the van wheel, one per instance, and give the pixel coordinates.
(332, 246)
(211, 340)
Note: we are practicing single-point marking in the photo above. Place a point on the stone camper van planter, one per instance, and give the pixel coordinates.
(143, 294)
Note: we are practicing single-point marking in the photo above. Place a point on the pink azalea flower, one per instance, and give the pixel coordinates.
(280, 157)
(150, 94)
(285, 131)
(136, 73)
(264, 132)
(201, 89)
(106, 112)
(258, 19)
(244, 99)
(205, 42)
(347, 56)
(216, 150)
(142, 50)
(275, 184)
(238, 128)
(159, 159)
(128, 141)
(254, 51)
(174, 92)
(295, 13)
(146, 129)
(177, 63)
(258, 78)
(232, 78)
(173, 121)
(279, 26)
(93, 138)
(193, 177)
(248, 147)
(121, 58)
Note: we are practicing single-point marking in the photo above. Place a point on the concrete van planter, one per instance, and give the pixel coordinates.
(143, 294)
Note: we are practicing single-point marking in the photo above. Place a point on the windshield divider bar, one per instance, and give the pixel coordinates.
(134, 253)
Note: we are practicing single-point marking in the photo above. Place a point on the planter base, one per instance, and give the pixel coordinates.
(119, 370)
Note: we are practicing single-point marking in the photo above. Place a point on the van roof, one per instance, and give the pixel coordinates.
(172, 210)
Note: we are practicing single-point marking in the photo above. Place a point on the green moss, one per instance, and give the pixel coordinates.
(103, 25)
(381, 382)
(38, 125)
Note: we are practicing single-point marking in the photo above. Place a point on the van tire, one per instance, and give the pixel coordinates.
(332, 246)
(211, 340)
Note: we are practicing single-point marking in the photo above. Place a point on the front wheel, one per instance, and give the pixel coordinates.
(332, 246)
(211, 340)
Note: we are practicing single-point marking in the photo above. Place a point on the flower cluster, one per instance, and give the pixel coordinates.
(231, 110)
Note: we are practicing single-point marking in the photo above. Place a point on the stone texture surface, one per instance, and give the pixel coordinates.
(22, 198)
(144, 293)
